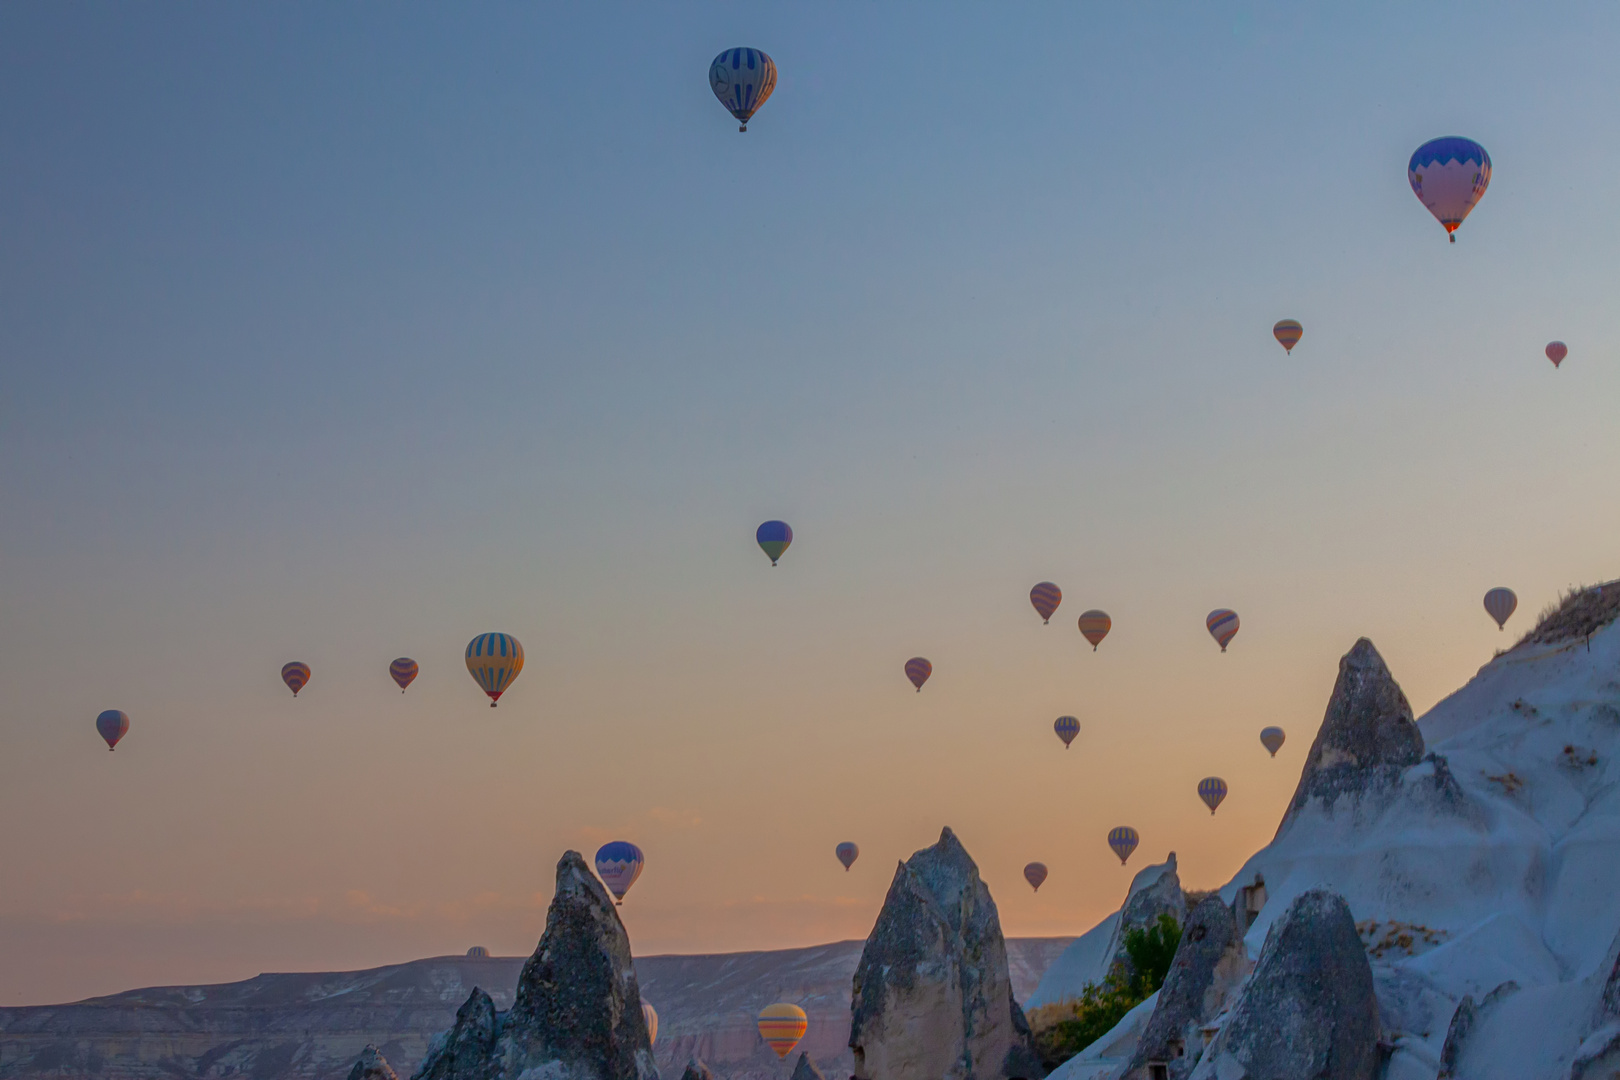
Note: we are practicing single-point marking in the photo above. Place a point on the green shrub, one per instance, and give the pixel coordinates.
(1065, 1028)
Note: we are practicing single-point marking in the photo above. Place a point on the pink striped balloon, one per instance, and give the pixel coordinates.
(1556, 351)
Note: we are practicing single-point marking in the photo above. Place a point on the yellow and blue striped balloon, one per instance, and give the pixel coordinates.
(782, 1026)
(1288, 332)
(403, 672)
(295, 675)
(1123, 839)
(1212, 789)
(1046, 597)
(1067, 727)
(1094, 626)
(494, 661)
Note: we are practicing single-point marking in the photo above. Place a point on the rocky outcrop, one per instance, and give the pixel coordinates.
(372, 1066)
(1210, 963)
(1367, 738)
(696, 1070)
(806, 1069)
(932, 996)
(577, 1011)
(1309, 1011)
(1143, 908)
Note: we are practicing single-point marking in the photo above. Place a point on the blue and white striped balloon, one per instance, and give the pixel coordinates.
(742, 79)
(619, 863)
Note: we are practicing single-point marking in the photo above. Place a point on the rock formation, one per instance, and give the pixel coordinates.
(372, 1066)
(577, 1011)
(1143, 908)
(806, 1069)
(696, 1070)
(1210, 963)
(932, 996)
(1309, 1011)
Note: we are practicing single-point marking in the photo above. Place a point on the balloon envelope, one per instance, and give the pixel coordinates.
(619, 863)
(918, 670)
(1556, 351)
(494, 661)
(1288, 332)
(650, 1014)
(1449, 176)
(1123, 840)
(1223, 626)
(1272, 739)
(1046, 597)
(1212, 789)
(112, 725)
(782, 1026)
(1499, 604)
(847, 853)
(403, 672)
(742, 79)
(773, 538)
(1067, 727)
(1094, 625)
(295, 675)
(1035, 873)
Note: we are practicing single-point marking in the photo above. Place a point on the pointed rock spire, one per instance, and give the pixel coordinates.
(696, 1070)
(372, 1066)
(806, 1069)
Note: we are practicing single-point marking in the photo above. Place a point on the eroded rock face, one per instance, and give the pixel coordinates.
(577, 1011)
(1210, 963)
(1309, 1011)
(696, 1070)
(1143, 908)
(932, 997)
(372, 1066)
(806, 1069)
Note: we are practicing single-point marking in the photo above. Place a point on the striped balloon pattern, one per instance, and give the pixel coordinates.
(494, 661)
(1223, 626)
(619, 863)
(1212, 789)
(1067, 727)
(1035, 873)
(1449, 176)
(1046, 597)
(1272, 739)
(782, 1026)
(773, 538)
(112, 725)
(295, 675)
(1094, 625)
(1556, 351)
(1288, 332)
(918, 670)
(1500, 604)
(403, 672)
(650, 1014)
(743, 80)
(847, 853)
(1123, 839)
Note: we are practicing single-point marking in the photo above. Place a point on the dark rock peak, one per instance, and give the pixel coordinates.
(949, 877)
(806, 1069)
(1368, 735)
(372, 1066)
(696, 1070)
(463, 1052)
(1190, 996)
(1144, 906)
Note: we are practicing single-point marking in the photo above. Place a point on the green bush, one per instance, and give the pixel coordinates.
(1065, 1028)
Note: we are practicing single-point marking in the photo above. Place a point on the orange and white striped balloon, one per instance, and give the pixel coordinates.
(782, 1026)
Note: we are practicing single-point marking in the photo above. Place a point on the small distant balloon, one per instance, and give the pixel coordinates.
(918, 670)
(112, 725)
(478, 952)
(847, 853)
(619, 863)
(403, 671)
(1212, 789)
(1449, 176)
(742, 79)
(1556, 351)
(1046, 597)
(1272, 739)
(1067, 727)
(1035, 873)
(494, 661)
(1094, 625)
(773, 538)
(295, 675)
(1223, 626)
(1499, 604)
(1123, 840)
(650, 1014)
(782, 1026)
(1288, 332)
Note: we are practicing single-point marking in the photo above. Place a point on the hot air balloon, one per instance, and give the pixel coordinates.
(1499, 603)
(1123, 840)
(1223, 626)
(1288, 332)
(1212, 789)
(742, 79)
(847, 854)
(782, 1026)
(1035, 873)
(650, 1014)
(1046, 597)
(619, 863)
(1556, 351)
(295, 675)
(1067, 727)
(1095, 625)
(1272, 739)
(478, 952)
(773, 538)
(494, 661)
(112, 725)
(918, 670)
(404, 672)
(1449, 176)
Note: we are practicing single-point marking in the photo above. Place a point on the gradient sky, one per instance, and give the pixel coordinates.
(341, 333)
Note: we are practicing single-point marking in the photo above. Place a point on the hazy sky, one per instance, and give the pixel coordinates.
(339, 333)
